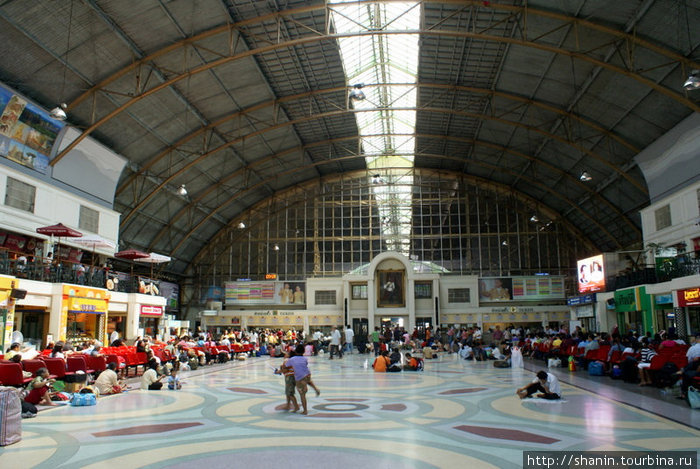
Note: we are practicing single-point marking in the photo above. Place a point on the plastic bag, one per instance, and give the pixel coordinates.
(516, 357)
(693, 398)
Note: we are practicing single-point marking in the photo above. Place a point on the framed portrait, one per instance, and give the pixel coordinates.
(391, 289)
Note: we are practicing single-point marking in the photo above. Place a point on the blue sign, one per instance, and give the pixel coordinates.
(581, 300)
(664, 299)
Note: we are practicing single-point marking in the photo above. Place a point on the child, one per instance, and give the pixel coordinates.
(289, 382)
(302, 375)
(174, 381)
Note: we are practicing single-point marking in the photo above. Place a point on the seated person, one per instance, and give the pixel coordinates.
(40, 388)
(412, 363)
(546, 383)
(382, 362)
(174, 383)
(107, 382)
(150, 379)
(394, 361)
(12, 351)
(466, 352)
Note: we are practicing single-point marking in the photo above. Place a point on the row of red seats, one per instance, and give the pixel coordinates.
(11, 373)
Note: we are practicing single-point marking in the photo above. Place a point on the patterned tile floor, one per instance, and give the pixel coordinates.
(452, 414)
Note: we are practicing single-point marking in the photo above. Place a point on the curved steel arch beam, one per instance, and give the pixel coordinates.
(201, 157)
(307, 94)
(576, 181)
(520, 10)
(475, 180)
(308, 40)
(534, 182)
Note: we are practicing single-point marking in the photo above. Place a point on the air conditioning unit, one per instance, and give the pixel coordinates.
(215, 305)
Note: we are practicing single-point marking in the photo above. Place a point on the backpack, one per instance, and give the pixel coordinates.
(420, 365)
(667, 374)
(630, 372)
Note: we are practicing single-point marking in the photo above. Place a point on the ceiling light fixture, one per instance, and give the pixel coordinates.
(182, 190)
(276, 247)
(241, 226)
(505, 243)
(356, 93)
(585, 177)
(693, 81)
(59, 112)
(534, 219)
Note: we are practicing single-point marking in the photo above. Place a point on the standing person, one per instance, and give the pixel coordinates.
(546, 383)
(302, 375)
(290, 382)
(335, 343)
(349, 337)
(375, 341)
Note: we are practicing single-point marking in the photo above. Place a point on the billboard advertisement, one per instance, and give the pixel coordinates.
(265, 292)
(27, 133)
(591, 274)
(521, 288)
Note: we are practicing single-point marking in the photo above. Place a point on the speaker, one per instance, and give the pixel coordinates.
(18, 294)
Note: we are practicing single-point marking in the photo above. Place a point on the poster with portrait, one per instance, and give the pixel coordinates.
(390, 289)
(591, 274)
(496, 289)
(290, 293)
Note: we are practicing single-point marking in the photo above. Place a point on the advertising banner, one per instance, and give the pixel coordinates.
(151, 311)
(27, 133)
(171, 292)
(591, 274)
(689, 297)
(526, 288)
(272, 293)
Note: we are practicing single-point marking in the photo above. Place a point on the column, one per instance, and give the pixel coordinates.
(371, 303)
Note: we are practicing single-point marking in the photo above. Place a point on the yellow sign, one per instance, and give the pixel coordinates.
(87, 305)
(270, 276)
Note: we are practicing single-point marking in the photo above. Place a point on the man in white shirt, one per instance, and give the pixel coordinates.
(335, 343)
(546, 383)
(694, 351)
(349, 336)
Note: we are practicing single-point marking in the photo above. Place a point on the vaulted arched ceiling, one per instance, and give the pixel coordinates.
(242, 101)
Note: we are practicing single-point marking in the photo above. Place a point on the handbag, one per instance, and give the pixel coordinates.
(693, 398)
(86, 399)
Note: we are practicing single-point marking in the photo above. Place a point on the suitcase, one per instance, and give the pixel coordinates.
(10, 416)
(595, 369)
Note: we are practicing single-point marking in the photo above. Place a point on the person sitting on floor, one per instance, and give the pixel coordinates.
(412, 363)
(394, 361)
(150, 379)
(108, 382)
(40, 388)
(546, 383)
(382, 362)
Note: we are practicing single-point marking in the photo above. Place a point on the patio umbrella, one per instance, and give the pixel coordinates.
(131, 255)
(60, 231)
(154, 258)
(94, 242)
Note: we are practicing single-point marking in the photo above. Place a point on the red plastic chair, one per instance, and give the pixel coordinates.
(56, 366)
(11, 375)
(33, 365)
(98, 363)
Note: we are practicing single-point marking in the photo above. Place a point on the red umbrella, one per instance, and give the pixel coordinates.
(60, 230)
(132, 254)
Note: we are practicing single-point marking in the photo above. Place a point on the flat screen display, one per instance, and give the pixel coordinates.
(591, 274)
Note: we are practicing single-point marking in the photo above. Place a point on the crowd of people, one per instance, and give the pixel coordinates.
(394, 349)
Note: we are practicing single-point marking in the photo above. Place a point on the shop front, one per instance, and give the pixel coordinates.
(583, 309)
(688, 301)
(324, 323)
(150, 317)
(664, 314)
(634, 310)
(83, 314)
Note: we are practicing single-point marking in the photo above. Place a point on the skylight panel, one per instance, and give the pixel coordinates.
(387, 67)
